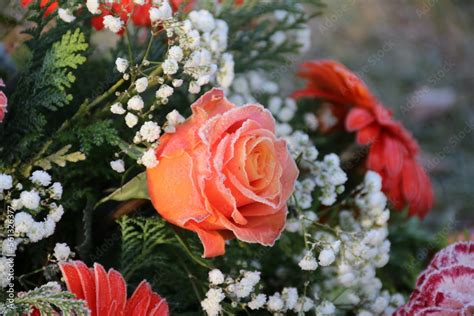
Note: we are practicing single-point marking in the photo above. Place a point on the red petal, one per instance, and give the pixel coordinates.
(118, 290)
(103, 291)
(157, 306)
(376, 160)
(368, 134)
(358, 118)
(140, 300)
(72, 278)
(394, 156)
(411, 182)
(88, 285)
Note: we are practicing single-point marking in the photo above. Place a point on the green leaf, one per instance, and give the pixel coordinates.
(60, 158)
(133, 189)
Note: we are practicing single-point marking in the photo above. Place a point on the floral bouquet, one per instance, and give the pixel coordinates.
(159, 157)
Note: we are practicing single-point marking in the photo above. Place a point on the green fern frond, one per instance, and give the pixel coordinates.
(140, 238)
(55, 76)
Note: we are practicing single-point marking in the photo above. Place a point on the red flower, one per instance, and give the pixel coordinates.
(393, 151)
(105, 293)
(53, 5)
(445, 287)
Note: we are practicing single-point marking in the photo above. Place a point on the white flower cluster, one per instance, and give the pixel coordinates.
(300, 35)
(326, 175)
(329, 177)
(246, 87)
(198, 49)
(244, 291)
(40, 197)
(351, 253)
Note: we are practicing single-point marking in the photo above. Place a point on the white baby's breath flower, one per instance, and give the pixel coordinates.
(135, 103)
(131, 120)
(177, 83)
(6, 182)
(41, 177)
(62, 251)
(30, 199)
(164, 91)
(216, 277)
(56, 213)
(117, 108)
(66, 15)
(121, 64)
(93, 6)
(203, 20)
(308, 262)
(112, 23)
(225, 75)
(149, 158)
(23, 222)
(150, 131)
(118, 165)
(257, 302)
(170, 67)
(141, 84)
(326, 257)
(57, 190)
(176, 53)
(5, 274)
(163, 12)
(211, 304)
(326, 308)
(194, 87)
(173, 118)
(275, 303)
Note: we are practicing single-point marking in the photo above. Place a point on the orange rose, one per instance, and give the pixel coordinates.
(223, 173)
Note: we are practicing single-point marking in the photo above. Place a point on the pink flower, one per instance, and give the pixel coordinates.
(105, 293)
(446, 287)
(3, 105)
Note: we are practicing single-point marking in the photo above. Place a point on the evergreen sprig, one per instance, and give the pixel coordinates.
(48, 300)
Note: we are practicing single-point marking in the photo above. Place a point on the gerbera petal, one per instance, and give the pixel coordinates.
(72, 278)
(118, 290)
(358, 118)
(103, 291)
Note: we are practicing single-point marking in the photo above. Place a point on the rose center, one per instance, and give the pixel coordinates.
(259, 164)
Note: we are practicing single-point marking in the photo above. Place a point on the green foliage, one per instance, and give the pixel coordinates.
(412, 247)
(48, 300)
(55, 75)
(251, 28)
(140, 239)
(96, 134)
(136, 188)
(60, 158)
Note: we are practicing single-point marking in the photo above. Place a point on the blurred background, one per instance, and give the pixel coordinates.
(417, 58)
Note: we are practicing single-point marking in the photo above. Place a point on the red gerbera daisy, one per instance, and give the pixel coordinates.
(393, 151)
(445, 287)
(105, 293)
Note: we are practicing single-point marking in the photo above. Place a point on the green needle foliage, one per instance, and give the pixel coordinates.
(48, 301)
